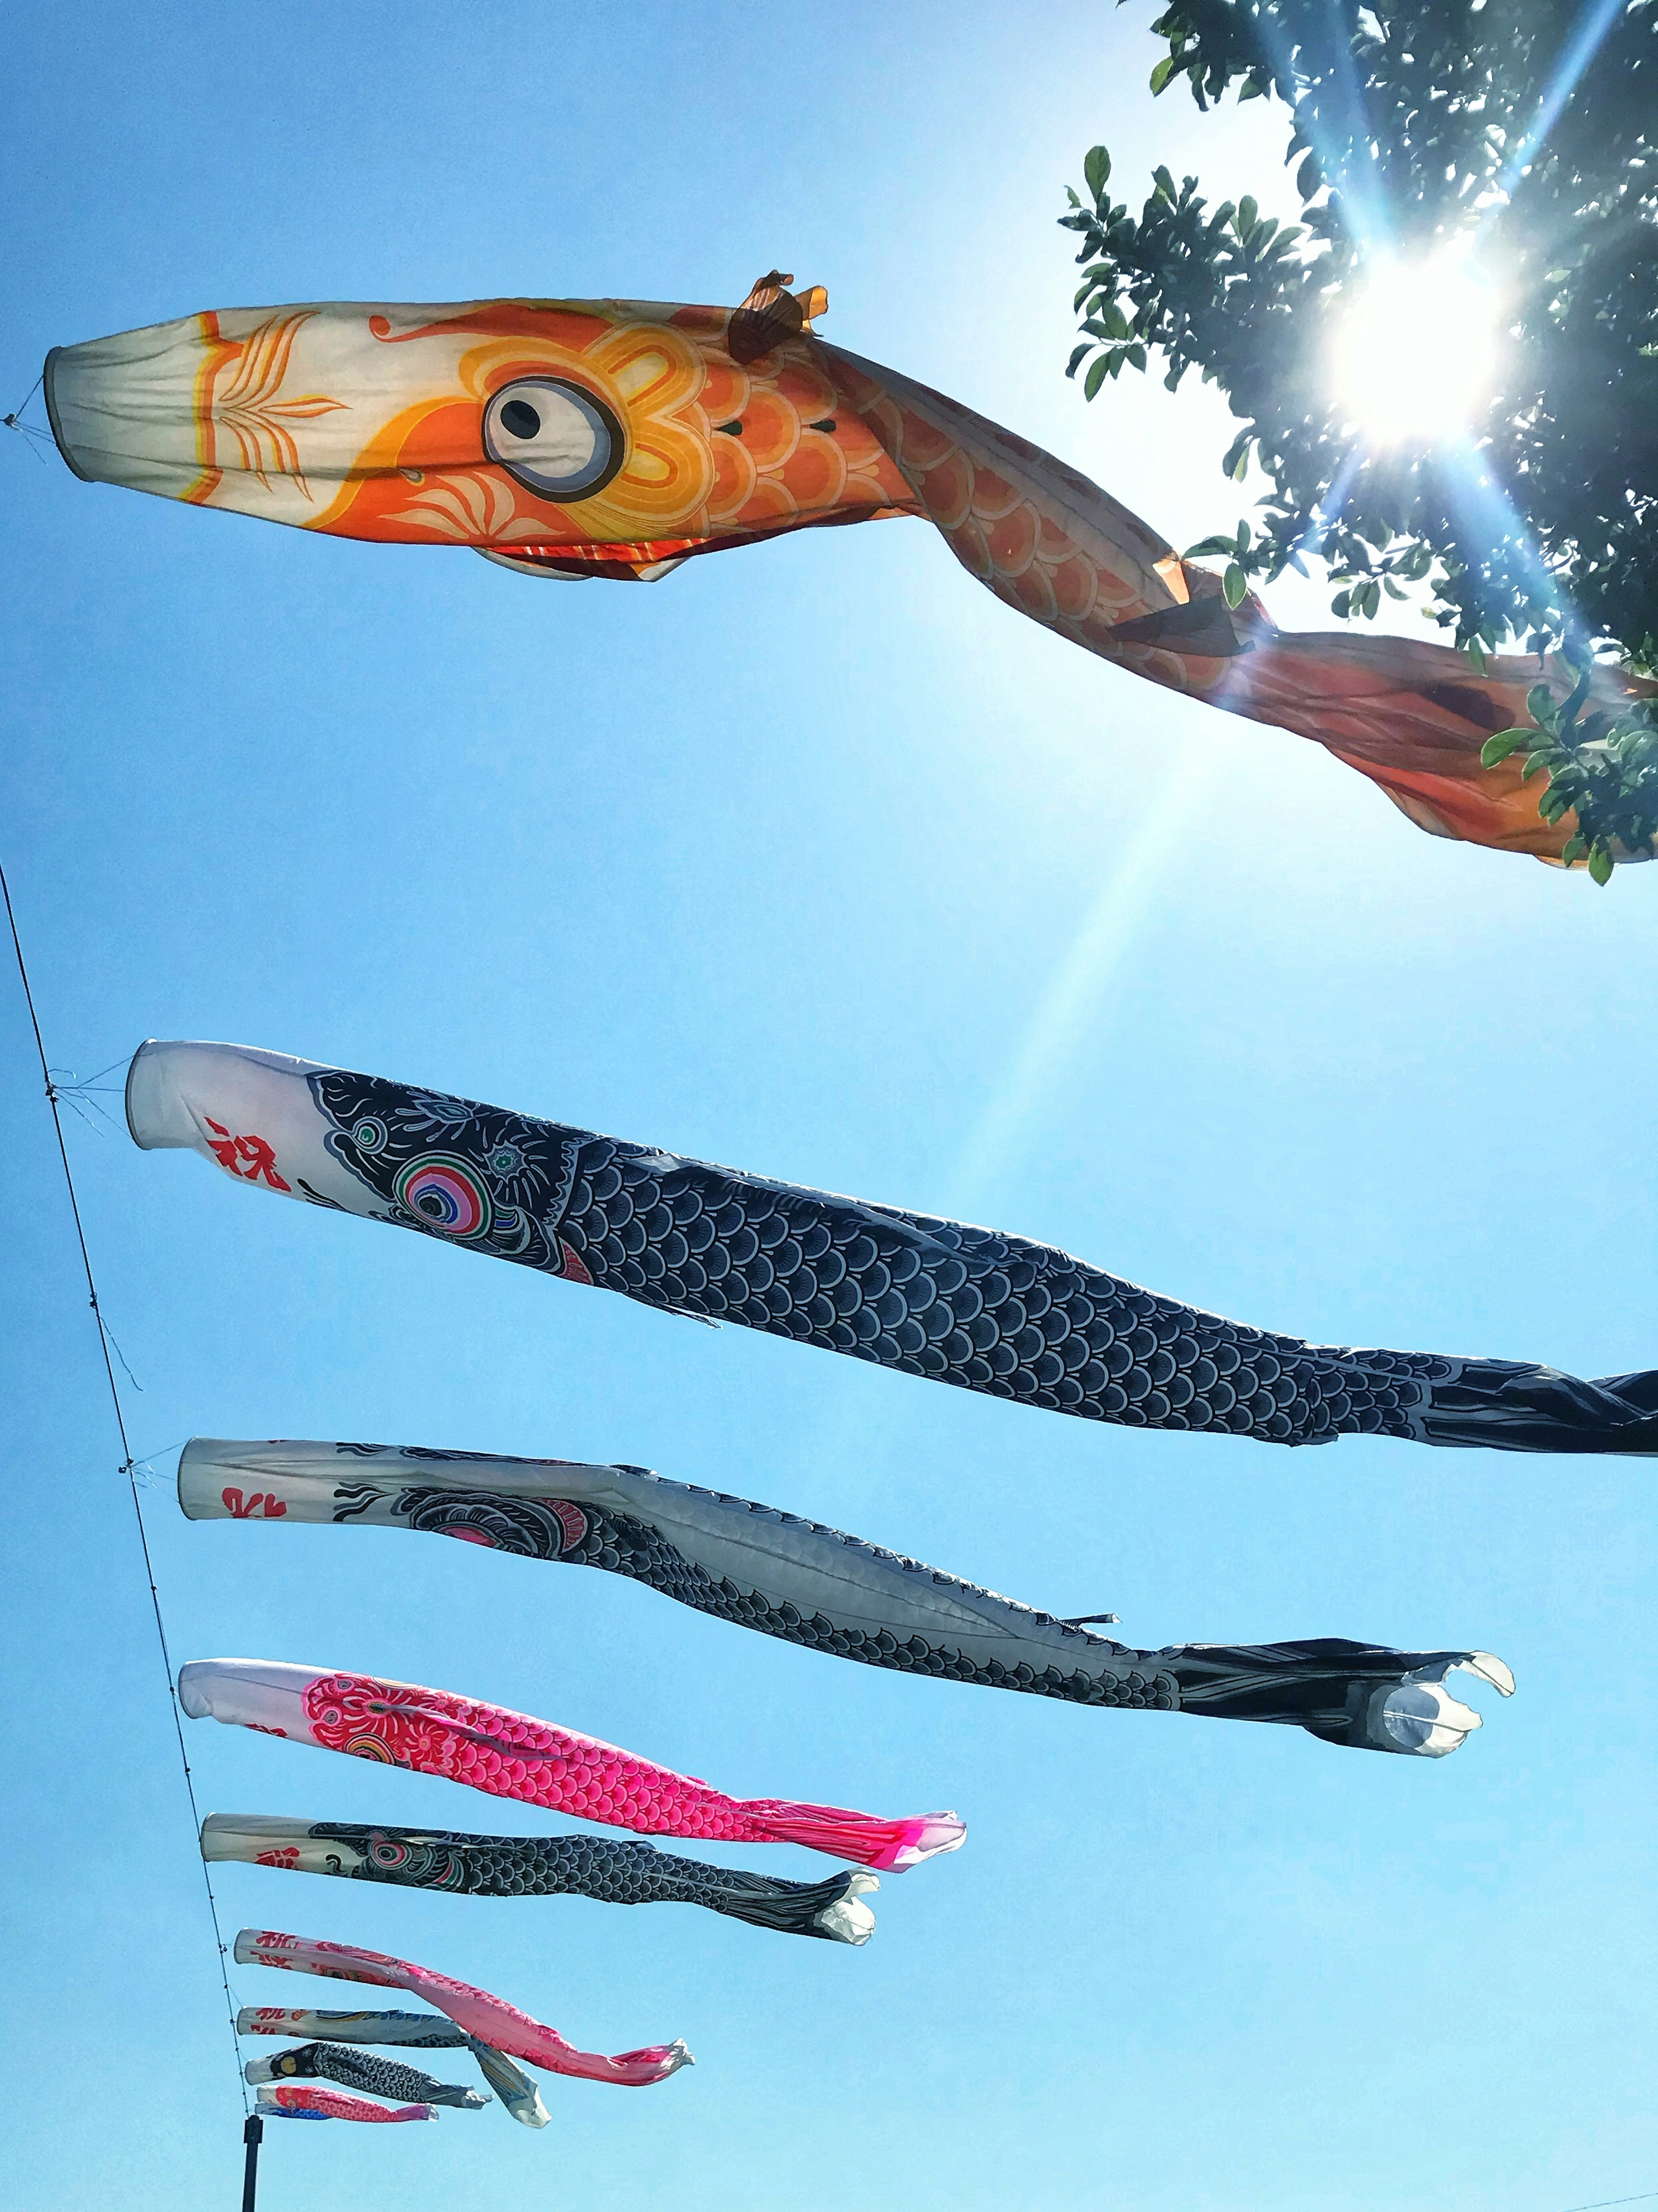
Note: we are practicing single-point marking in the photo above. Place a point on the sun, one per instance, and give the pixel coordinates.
(1414, 353)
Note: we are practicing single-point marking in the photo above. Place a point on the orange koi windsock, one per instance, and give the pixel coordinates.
(582, 438)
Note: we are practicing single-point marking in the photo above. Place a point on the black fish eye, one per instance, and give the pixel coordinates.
(554, 437)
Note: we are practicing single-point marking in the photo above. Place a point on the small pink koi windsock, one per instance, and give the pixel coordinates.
(510, 1755)
(289, 2101)
(490, 2019)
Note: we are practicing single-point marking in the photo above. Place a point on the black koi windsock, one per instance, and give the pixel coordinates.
(928, 1297)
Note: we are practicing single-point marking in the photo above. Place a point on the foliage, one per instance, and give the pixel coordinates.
(1414, 126)
(1605, 766)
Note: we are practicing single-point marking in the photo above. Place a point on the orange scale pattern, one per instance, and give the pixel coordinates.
(771, 431)
(999, 533)
(947, 489)
(1013, 540)
(774, 466)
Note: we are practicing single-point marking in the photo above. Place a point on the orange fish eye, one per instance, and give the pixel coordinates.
(554, 437)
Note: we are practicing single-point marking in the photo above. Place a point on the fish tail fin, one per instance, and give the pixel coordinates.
(831, 1909)
(1510, 1405)
(891, 1846)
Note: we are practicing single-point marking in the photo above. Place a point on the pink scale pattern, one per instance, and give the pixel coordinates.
(509, 1754)
(335, 2105)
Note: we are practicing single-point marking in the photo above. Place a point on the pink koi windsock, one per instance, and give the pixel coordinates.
(493, 2021)
(510, 1755)
(289, 2101)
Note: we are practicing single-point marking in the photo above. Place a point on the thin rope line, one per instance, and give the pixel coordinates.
(98, 1074)
(12, 420)
(1606, 2202)
(128, 1468)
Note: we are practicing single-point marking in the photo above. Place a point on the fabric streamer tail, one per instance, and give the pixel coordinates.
(1361, 1697)
(1516, 1406)
(891, 1846)
(516, 2091)
(832, 1909)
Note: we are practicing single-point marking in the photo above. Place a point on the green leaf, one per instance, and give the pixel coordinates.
(1579, 692)
(1600, 864)
(1234, 584)
(1499, 748)
(1136, 357)
(1071, 197)
(1079, 355)
(1253, 88)
(1161, 74)
(1095, 376)
(1309, 183)
(1243, 538)
(1574, 848)
(1115, 321)
(1538, 761)
(1239, 468)
(1206, 545)
(1096, 170)
(1247, 215)
(1540, 705)
(1476, 654)
(1342, 606)
(1163, 181)
(1391, 588)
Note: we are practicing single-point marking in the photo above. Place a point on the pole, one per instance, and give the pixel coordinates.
(253, 2133)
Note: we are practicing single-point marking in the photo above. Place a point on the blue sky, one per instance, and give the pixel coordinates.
(812, 860)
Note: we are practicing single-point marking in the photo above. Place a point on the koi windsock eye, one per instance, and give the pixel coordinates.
(558, 440)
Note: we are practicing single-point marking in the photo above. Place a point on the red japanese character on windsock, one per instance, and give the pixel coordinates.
(224, 1150)
(257, 1159)
(261, 1162)
(274, 1507)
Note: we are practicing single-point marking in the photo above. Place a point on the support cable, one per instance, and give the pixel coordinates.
(129, 1468)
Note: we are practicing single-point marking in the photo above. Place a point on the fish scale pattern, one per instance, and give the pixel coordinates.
(626, 1546)
(579, 1866)
(510, 1755)
(618, 1544)
(926, 1296)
